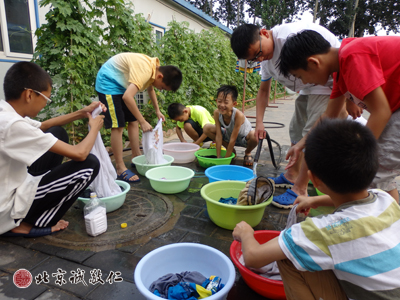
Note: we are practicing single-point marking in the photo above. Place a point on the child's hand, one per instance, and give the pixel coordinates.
(240, 230)
(305, 204)
(146, 126)
(160, 116)
(95, 123)
(92, 106)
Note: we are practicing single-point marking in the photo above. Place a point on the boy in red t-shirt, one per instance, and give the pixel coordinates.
(366, 71)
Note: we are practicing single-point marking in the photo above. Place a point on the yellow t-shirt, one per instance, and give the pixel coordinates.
(125, 68)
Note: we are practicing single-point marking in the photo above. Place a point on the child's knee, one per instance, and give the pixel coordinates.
(188, 127)
(209, 128)
(93, 162)
(60, 133)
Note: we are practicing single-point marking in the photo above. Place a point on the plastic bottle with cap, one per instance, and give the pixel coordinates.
(95, 216)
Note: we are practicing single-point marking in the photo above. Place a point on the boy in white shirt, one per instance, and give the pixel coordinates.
(37, 189)
(250, 42)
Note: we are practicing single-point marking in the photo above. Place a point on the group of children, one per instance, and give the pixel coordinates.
(228, 126)
(352, 253)
(39, 188)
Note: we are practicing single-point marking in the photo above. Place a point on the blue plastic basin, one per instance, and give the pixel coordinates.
(229, 172)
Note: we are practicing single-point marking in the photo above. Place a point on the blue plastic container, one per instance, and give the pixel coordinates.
(229, 172)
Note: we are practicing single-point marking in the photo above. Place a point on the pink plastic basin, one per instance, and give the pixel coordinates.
(181, 152)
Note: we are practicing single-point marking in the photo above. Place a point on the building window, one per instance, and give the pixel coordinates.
(158, 32)
(17, 23)
(140, 100)
(159, 35)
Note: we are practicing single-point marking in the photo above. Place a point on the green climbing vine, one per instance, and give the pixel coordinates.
(80, 35)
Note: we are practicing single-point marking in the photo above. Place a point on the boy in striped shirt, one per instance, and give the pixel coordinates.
(352, 253)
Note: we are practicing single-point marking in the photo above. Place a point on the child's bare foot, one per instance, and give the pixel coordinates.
(60, 226)
(24, 228)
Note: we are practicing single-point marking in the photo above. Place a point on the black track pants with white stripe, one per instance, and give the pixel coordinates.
(59, 188)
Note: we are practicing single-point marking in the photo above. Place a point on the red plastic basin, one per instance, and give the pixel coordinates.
(268, 288)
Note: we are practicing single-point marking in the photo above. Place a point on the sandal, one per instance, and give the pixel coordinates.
(248, 160)
(285, 200)
(127, 175)
(282, 182)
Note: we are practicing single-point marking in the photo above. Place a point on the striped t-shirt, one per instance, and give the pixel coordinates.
(360, 242)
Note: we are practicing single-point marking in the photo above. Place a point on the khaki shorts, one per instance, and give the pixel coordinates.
(308, 108)
(388, 155)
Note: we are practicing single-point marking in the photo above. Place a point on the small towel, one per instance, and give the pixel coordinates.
(257, 190)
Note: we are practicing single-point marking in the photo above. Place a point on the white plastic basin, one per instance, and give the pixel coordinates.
(180, 257)
(181, 152)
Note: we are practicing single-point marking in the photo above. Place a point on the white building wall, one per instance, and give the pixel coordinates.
(163, 12)
(158, 12)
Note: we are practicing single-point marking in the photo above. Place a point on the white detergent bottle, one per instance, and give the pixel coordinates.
(95, 216)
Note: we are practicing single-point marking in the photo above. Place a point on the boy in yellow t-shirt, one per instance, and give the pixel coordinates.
(192, 119)
(117, 83)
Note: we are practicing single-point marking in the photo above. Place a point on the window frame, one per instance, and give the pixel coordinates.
(7, 53)
(159, 28)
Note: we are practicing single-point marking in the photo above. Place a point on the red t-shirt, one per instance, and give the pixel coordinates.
(366, 64)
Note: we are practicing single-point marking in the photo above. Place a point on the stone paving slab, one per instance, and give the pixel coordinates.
(53, 294)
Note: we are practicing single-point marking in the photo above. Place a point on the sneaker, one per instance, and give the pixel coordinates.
(285, 200)
(282, 182)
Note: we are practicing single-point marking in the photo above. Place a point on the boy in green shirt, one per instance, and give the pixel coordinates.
(192, 119)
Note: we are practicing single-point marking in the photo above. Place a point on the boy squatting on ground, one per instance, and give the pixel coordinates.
(250, 42)
(36, 187)
(192, 119)
(231, 126)
(366, 71)
(117, 83)
(353, 252)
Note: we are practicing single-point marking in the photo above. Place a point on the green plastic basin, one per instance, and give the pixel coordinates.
(112, 202)
(319, 193)
(170, 179)
(206, 162)
(142, 167)
(227, 215)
